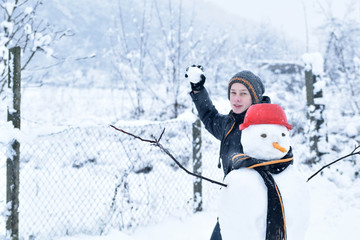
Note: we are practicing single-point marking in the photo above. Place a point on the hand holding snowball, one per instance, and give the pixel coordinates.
(196, 77)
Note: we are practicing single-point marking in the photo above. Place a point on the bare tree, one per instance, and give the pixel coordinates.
(172, 36)
(341, 61)
(148, 51)
(130, 52)
(306, 24)
(181, 43)
(21, 27)
(340, 58)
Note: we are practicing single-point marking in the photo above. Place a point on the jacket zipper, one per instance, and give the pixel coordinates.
(222, 141)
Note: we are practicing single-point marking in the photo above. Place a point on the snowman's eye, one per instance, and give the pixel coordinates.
(263, 135)
(283, 134)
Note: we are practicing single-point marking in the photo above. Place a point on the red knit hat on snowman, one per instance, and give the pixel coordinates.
(265, 113)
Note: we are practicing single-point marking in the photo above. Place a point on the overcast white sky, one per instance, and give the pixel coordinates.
(288, 15)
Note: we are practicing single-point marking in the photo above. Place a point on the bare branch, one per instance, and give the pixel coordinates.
(137, 137)
(3, 83)
(156, 143)
(351, 154)
(29, 59)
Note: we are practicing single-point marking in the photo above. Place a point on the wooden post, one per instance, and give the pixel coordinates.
(197, 168)
(12, 162)
(315, 116)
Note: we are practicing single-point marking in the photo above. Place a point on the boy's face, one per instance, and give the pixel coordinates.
(240, 98)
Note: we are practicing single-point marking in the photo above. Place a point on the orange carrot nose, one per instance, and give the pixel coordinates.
(277, 146)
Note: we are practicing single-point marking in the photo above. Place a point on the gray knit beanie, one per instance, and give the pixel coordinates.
(251, 82)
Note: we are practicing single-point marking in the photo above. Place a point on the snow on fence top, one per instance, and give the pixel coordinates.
(314, 62)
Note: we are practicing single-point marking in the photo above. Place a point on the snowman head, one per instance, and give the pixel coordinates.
(265, 132)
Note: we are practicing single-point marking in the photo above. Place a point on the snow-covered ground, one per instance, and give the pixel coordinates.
(335, 214)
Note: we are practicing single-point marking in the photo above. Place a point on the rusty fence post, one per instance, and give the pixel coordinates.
(197, 165)
(13, 156)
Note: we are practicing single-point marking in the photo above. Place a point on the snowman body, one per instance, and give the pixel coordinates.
(296, 199)
(243, 203)
(243, 206)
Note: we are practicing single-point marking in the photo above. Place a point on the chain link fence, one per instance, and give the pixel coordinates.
(92, 179)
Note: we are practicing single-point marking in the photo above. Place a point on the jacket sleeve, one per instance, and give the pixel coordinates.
(214, 121)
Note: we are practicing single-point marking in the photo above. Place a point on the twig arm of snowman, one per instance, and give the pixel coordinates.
(156, 142)
(354, 152)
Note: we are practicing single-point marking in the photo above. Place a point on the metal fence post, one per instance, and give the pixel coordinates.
(197, 168)
(12, 162)
(315, 115)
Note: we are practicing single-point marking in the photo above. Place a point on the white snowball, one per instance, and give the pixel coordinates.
(194, 74)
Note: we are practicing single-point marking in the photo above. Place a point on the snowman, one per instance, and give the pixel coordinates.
(266, 198)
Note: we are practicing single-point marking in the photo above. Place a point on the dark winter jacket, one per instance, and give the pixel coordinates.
(223, 127)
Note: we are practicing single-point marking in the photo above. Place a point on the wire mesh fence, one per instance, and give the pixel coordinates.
(92, 179)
